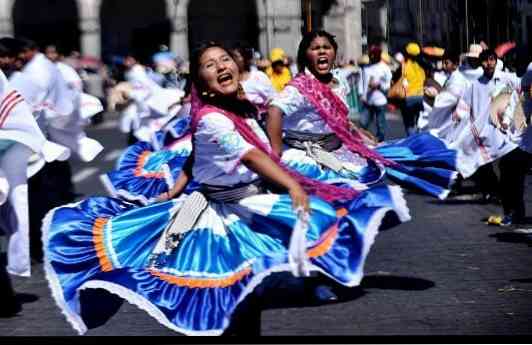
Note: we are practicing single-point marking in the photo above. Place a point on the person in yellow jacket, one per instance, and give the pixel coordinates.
(415, 78)
(278, 72)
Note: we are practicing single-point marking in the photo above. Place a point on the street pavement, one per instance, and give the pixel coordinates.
(443, 273)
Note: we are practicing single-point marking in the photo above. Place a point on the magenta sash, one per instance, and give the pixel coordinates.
(334, 112)
(313, 187)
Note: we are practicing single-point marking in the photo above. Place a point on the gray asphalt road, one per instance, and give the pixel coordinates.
(443, 273)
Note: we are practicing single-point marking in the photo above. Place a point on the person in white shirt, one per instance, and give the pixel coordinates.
(513, 166)
(373, 87)
(481, 142)
(151, 106)
(257, 85)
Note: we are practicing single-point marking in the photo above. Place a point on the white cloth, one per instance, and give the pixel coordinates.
(440, 77)
(478, 141)
(471, 74)
(259, 89)
(300, 115)
(70, 76)
(14, 214)
(379, 72)
(440, 119)
(150, 102)
(219, 149)
(43, 87)
(18, 125)
(55, 105)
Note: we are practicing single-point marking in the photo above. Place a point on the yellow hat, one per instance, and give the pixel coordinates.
(277, 54)
(363, 60)
(413, 49)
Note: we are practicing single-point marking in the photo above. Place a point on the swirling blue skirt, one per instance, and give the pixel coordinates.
(424, 164)
(142, 173)
(105, 243)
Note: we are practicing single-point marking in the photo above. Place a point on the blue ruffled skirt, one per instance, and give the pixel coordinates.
(105, 243)
(142, 173)
(424, 163)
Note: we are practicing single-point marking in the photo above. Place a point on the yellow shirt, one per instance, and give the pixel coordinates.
(415, 75)
(279, 81)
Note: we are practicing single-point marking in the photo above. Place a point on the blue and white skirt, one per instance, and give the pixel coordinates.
(143, 173)
(105, 243)
(424, 163)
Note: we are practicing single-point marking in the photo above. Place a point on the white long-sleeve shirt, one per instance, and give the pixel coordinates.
(381, 73)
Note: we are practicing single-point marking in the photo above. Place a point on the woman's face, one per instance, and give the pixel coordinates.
(320, 56)
(218, 72)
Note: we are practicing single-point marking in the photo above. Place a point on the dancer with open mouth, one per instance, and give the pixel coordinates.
(190, 260)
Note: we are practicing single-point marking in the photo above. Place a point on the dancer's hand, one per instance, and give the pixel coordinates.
(299, 198)
(163, 197)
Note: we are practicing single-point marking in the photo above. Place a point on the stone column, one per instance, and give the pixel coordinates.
(6, 18)
(177, 13)
(264, 9)
(345, 22)
(90, 27)
(353, 25)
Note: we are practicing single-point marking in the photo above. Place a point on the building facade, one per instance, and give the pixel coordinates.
(103, 28)
(450, 23)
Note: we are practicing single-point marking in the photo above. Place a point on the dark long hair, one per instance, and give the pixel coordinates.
(307, 39)
(246, 51)
(238, 105)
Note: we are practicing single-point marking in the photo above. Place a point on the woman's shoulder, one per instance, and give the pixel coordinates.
(259, 75)
(214, 120)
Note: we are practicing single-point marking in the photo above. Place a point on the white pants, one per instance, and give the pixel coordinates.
(14, 164)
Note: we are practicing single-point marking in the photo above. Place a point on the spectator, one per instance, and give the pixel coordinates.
(373, 88)
(278, 72)
(415, 78)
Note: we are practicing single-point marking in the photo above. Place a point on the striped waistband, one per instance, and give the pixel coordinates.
(328, 142)
(234, 193)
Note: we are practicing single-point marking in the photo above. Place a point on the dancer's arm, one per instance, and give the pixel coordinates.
(181, 182)
(262, 164)
(274, 127)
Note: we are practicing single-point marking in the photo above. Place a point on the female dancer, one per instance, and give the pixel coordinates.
(310, 117)
(189, 260)
(147, 169)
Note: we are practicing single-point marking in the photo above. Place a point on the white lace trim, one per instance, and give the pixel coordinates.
(445, 193)
(72, 316)
(400, 205)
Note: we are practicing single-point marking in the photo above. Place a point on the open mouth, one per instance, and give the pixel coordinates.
(323, 63)
(225, 79)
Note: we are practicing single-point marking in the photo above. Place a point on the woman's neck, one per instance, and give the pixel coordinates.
(324, 78)
(234, 104)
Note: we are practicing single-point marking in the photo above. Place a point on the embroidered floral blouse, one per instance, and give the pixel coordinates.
(300, 115)
(219, 149)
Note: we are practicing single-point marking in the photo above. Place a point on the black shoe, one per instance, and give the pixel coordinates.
(324, 293)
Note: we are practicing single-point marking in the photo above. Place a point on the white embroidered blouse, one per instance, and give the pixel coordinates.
(300, 115)
(219, 149)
